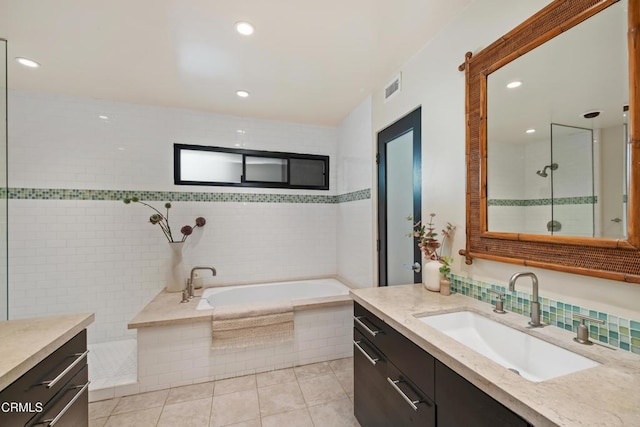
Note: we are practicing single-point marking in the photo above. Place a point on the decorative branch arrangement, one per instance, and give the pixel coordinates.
(163, 221)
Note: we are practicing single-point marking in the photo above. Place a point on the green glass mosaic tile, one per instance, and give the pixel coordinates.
(176, 196)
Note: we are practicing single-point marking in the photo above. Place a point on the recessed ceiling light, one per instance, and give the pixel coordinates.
(530, 131)
(514, 84)
(28, 62)
(245, 28)
(103, 117)
(240, 132)
(242, 93)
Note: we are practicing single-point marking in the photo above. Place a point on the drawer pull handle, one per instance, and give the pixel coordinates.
(369, 358)
(366, 328)
(53, 382)
(394, 384)
(52, 422)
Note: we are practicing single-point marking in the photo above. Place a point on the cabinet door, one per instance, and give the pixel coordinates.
(410, 406)
(460, 403)
(370, 404)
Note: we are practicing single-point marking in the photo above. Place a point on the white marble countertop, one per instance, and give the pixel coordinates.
(26, 342)
(607, 395)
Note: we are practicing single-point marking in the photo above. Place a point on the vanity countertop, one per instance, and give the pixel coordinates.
(607, 395)
(26, 342)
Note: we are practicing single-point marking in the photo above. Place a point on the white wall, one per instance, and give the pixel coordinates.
(103, 256)
(431, 79)
(355, 250)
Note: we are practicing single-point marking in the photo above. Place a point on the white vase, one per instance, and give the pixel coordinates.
(431, 275)
(176, 276)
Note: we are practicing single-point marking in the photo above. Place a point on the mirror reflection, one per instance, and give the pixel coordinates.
(557, 136)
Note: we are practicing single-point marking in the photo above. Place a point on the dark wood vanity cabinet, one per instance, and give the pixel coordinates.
(396, 383)
(393, 378)
(54, 392)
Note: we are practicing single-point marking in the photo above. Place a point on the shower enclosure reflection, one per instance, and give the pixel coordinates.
(566, 184)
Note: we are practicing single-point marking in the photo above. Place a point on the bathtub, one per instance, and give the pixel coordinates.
(172, 354)
(271, 292)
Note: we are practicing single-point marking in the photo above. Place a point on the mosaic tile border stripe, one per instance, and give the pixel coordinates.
(616, 331)
(583, 200)
(178, 196)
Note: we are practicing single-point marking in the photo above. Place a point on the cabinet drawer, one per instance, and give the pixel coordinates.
(69, 407)
(413, 361)
(42, 382)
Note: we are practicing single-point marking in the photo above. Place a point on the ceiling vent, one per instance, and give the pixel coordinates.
(393, 88)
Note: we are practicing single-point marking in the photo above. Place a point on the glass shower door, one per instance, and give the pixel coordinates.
(572, 181)
(4, 293)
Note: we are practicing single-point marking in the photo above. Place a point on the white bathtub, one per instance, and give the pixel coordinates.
(270, 292)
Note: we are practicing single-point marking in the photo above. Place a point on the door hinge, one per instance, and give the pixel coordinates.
(377, 158)
(378, 245)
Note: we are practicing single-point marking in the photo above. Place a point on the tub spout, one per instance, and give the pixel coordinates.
(190, 281)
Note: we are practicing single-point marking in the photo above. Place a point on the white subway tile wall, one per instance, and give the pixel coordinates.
(355, 251)
(104, 257)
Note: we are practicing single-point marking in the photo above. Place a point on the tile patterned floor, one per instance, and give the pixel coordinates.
(320, 394)
(113, 363)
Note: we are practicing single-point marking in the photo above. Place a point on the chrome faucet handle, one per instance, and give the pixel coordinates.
(499, 308)
(582, 331)
(185, 296)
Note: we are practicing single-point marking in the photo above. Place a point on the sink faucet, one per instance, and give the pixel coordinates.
(535, 305)
(190, 281)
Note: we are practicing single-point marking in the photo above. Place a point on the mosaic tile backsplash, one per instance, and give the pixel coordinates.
(616, 331)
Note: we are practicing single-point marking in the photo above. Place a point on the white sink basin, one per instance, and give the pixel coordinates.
(532, 358)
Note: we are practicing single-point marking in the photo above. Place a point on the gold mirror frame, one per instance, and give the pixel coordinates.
(614, 259)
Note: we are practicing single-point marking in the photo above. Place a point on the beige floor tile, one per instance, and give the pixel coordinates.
(102, 408)
(144, 418)
(313, 370)
(234, 408)
(190, 392)
(321, 389)
(192, 413)
(346, 381)
(338, 413)
(297, 418)
(232, 385)
(250, 423)
(137, 402)
(345, 364)
(278, 398)
(98, 422)
(275, 377)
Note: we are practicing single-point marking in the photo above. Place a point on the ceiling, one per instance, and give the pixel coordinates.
(308, 61)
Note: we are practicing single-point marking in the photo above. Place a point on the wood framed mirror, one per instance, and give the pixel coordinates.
(595, 254)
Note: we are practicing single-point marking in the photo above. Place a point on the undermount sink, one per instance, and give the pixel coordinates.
(528, 356)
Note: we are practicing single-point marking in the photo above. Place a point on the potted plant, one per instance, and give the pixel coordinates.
(428, 243)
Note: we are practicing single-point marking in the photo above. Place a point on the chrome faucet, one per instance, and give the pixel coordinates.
(190, 280)
(535, 305)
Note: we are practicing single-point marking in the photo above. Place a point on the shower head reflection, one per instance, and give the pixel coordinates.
(543, 173)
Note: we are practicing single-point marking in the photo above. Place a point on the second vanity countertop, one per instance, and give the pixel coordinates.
(26, 342)
(607, 395)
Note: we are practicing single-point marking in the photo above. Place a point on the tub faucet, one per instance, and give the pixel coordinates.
(190, 280)
(535, 305)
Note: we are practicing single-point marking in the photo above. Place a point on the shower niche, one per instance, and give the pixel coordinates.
(569, 181)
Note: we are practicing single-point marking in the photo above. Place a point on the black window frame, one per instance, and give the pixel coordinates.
(177, 148)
